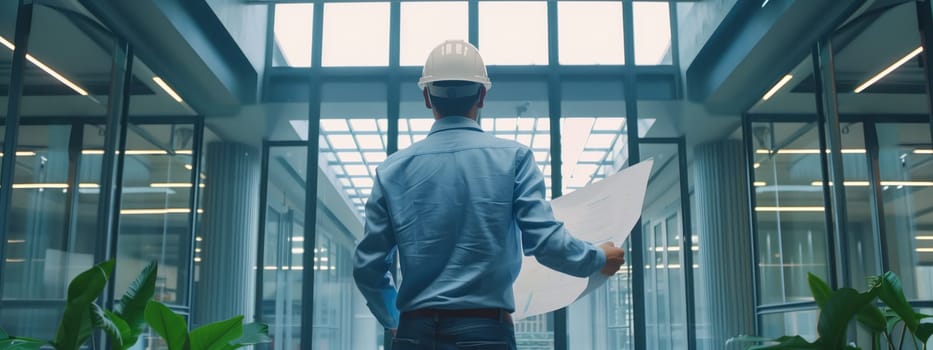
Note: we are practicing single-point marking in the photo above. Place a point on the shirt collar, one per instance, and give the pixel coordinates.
(451, 122)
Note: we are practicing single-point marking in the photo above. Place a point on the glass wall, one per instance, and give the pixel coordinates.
(52, 223)
(884, 141)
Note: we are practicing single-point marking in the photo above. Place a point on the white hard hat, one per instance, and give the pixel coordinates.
(454, 60)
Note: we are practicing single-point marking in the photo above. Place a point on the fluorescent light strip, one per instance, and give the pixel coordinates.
(16, 241)
(22, 154)
(888, 70)
(170, 185)
(757, 165)
(167, 89)
(760, 183)
(790, 209)
(47, 69)
(807, 151)
(923, 151)
(188, 166)
(924, 250)
(777, 87)
(924, 238)
(184, 151)
(155, 211)
(138, 152)
(39, 185)
(883, 183)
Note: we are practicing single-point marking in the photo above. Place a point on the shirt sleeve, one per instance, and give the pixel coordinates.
(543, 236)
(374, 259)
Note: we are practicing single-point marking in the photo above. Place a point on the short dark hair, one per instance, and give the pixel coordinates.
(457, 106)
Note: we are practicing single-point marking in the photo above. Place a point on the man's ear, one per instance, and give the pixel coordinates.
(427, 99)
(482, 97)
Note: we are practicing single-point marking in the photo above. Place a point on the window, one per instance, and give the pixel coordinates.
(652, 33)
(513, 33)
(427, 24)
(292, 29)
(590, 32)
(356, 34)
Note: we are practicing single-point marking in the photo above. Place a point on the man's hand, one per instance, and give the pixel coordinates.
(615, 257)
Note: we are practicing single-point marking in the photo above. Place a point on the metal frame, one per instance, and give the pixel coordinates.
(393, 75)
(828, 119)
(687, 229)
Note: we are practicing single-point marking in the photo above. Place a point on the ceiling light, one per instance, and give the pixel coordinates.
(22, 154)
(170, 185)
(40, 185)
(47, 69)
(155, 211)
(924, 250)
(924, 238)
(146, 152)
(184, 151)
(883, 183)
(790, 209)
(760, 183)
(16, 241)
(786, 79)
(198, 238)
(298, 250)
(167, 89)
(757, 165)
(923, 151)
(807, 151)
(188, 166)
(888, 70)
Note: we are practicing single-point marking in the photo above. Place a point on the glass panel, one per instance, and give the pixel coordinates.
(906, 163)
(427, 24)
(578, 20)
(356, 34)
(52, 221)
(292, 31)
(790, 210)
(513, 33)
(155, 223)
(52, 230)
(284, 229)
(863, 253)
(353, 144)
(801, 323)
(652, 29)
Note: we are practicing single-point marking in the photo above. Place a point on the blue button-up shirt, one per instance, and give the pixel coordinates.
(460, 208)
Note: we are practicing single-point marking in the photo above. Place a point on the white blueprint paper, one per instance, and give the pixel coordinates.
(603, 211)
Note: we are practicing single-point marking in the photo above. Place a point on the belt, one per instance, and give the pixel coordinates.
(496, 314)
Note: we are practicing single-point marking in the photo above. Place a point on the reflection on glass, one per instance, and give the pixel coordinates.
(356, 34)
(427, 24)
(284, 236)
(790, 210)
(513, 33)
(352, 149)
(906, 163)
(801, 323)
(53, 215)
(652, 28)
(155, 209)
(578, 20)
(292, 32)
(862, 253)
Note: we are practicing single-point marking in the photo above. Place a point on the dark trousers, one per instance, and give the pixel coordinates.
(427, 331)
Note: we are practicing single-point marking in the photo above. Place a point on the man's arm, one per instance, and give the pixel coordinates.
(542, 235)
(374, 259)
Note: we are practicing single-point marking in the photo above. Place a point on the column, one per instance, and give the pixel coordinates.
(725, 244)
(225, 274)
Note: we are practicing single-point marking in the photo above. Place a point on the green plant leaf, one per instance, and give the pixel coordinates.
(132, 306)
(169, 325)
(113, 325)
(892, 294)
(8, 342)
(253, 333)
(820, 289)
(75, 325)
(216, 335)
(924, 331)
(872, 318)
(836, 314)
(788, 343)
